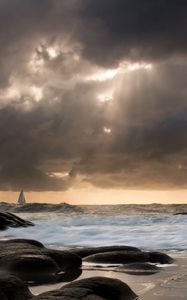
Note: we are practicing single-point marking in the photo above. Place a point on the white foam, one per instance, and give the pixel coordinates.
(144, 231)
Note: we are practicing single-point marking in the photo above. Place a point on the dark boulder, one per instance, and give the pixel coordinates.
(26, 241)
(83, 252)
(10, 220)
(118, 257)
(162, 258)
(31, 261)
(138, 269)
(2, 296)
(64, 259)
(8, 248)
(95, 288)
(12, 288)
(68, 276)
(30, 267)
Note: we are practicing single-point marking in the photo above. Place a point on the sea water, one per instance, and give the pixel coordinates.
(105, 226)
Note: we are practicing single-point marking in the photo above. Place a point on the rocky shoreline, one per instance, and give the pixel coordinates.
(26, 263)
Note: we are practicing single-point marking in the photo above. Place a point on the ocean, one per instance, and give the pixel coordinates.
(156, 227)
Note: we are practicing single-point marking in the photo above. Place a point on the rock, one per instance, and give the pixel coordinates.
(118, 257)
(162, 258)
(64, 259)
(9, 220)
(138, 269)
(8, 248)
(83, 252)
(2, 296)
(26, 241)
(95, 288)
(12, 288)
(30, 267)
(31, 261)
(68, 276)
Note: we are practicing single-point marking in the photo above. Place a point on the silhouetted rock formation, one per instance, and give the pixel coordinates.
(138, 269)
(96, 288)
(31, 261)
(83, 252)
(8, 219)
(158, 257)
(25, 261)
(118, 257)
(12, 288)
(126, 257)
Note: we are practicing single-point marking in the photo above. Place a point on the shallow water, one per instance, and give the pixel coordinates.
(96, 226)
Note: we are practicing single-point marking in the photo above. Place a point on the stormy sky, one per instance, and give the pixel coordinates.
(93, 91)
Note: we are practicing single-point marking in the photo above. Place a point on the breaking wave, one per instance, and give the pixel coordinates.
(63, 225)
(40, 207)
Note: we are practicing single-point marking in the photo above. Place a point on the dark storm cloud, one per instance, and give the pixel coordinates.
(51, 122)
(145, 29)
(60, 131)
(148, 144)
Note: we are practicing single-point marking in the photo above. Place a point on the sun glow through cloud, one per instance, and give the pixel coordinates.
(105, 97)
(13, 92)
(58, 174)
(107, 130)
(103, 75)
(23, 92)
(37, 93)
(124, 67)
(52, 52)
(138, 66)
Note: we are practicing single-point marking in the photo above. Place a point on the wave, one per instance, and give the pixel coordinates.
(161, 231)
(127, 209)
(40, 207)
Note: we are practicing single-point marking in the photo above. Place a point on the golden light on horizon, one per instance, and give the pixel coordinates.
(97, 196)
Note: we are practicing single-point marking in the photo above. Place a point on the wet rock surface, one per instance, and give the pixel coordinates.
(8, 219)
(138, 269)
(118, 257)
(28, 262)
(158, 257)
(31, 261)
(83, 252)
(12, 288)
(126, 257)
(96, 288)
(64, 259)
(26, 241)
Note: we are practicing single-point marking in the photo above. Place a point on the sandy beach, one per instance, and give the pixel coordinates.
(169, 283)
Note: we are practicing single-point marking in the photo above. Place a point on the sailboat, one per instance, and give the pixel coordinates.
(21, 199)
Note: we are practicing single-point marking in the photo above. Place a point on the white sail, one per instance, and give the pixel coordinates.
(21, 199)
